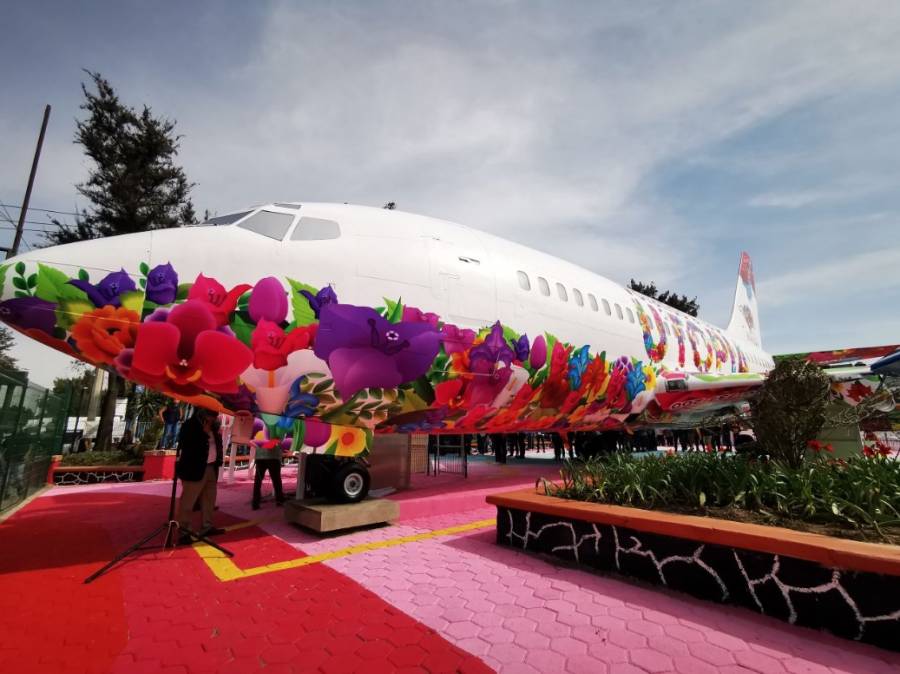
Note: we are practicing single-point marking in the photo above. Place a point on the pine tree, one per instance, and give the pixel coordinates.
(674, 300)
(7, 342)
(134, 186)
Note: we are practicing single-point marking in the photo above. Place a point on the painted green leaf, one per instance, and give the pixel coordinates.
(145, 268)
(303, 313)
(423, 389)
(20, 268)
(19, 282)
(133, 299)
(68, 311)
(22, 293)
(242, 329)
(143, 282)
(32, 280)
(183, 290)
(394, 310)
(48, 283)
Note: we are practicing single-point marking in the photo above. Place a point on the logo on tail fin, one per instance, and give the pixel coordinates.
(744, 323)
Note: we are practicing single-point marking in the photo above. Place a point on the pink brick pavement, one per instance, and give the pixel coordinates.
(521, 613)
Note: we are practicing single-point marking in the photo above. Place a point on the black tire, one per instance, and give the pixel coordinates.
(350, 484)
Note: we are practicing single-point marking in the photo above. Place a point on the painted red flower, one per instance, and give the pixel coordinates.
(271, 345)
(447, 392)
(186, 354)
(858, 391)
(221, 302)
(556, 387)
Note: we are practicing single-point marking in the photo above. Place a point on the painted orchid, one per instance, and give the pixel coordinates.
(272, 388)
(162, 284)
(187, 355)
(364, 350)
(268, 301)
(301, 404)
(110, 289)
(520, 346)
(221, 302)
(271, 345)
(321, 299)
(485, 361)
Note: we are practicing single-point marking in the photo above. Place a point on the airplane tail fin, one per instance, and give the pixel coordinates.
(744, 323)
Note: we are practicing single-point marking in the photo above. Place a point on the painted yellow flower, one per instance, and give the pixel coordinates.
(348, 441)
(650, 374)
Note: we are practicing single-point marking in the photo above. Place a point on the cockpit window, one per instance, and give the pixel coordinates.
(267, 223)
(293, 207)
(228, 219)
(316, 229)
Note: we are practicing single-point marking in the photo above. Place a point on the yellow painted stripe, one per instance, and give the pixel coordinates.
(226, 570)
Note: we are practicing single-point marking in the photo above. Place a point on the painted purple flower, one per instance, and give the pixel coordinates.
(28, 313)
(162, 284)
(364, 350)
(268, 301)
(521, 347)
(242, 400)
(321, 299)
(485, 363)
(539, 352)
(108, 291)
(456, 340)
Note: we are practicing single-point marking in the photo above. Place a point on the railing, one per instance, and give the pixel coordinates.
(32, 421)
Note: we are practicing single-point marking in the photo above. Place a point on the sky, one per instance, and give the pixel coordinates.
(649, 140)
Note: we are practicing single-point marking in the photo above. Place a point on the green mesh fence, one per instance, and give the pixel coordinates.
(32, 422)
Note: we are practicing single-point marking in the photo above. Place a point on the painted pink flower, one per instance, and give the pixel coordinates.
(221, 302)
(456, 340)
(414, 315)
(268, 301)
(538, 352)
(186, 354)
(271, 345)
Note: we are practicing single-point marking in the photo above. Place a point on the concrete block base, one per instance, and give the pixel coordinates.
(321, 516)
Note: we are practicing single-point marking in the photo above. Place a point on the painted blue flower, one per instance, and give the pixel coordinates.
(634, 382)
(322, 298)
(108, 292)
(520, 346)
(162, 284)
(578, 363)
(300, 404)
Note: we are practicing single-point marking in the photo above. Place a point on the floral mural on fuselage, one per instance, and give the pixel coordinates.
(318, 370)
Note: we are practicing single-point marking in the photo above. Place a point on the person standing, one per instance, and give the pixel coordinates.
(169, 415)
(200, 447)
(268, 459)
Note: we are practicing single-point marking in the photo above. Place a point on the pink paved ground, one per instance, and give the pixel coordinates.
(520, 613)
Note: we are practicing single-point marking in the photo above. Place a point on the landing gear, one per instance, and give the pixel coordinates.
(339, 479)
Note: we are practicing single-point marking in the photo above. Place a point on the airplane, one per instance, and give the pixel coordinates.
(332, 322)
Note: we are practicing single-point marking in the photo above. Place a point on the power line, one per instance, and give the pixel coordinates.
(43, 210)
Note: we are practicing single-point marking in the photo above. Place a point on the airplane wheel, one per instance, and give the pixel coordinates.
(350, 484)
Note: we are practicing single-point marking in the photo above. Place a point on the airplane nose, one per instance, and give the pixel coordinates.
(43, 292)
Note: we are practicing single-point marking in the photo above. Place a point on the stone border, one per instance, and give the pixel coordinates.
(847, 587)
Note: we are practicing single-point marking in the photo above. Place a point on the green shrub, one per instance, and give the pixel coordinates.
(863, 493)
(102, 459)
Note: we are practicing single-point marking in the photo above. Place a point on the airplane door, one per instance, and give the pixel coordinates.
(463, 281)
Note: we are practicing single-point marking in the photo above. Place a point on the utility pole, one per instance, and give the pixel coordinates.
(37, 155)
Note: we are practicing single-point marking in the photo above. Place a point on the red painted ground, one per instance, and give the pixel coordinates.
(166, 612)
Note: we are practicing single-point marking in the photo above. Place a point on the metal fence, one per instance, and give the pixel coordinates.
(448, 454)
(32, 422)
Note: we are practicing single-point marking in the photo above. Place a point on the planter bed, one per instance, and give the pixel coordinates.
(850, 588)
(70, 475)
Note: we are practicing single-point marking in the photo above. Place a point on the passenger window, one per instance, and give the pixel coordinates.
(561, 291)
(606, 308)
(619, 311)
(544, 286)
(630, 315)
(579, 300)
(593, 302)
(316, 229)
(524, 283)
(272, 225)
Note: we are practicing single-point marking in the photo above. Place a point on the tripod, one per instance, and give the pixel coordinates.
(171, 530)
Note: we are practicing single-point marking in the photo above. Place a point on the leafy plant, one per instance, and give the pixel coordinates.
(861, 492)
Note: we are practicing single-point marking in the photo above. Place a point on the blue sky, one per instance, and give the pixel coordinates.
(653, 141)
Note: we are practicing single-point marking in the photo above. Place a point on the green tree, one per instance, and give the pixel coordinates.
(674, 300)
(134, 185)
(790, 409)
(80, 384)
(7, 341)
